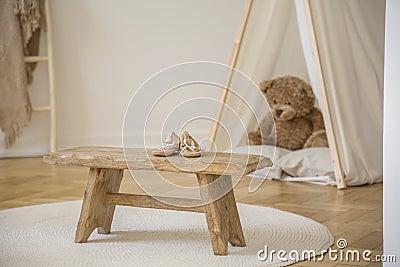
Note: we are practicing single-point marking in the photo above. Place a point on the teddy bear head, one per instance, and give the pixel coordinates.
(288, 97)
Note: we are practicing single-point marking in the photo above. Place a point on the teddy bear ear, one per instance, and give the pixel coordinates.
(265, 85)
(307, 91)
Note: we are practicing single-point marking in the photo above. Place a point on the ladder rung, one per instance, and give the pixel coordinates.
(33, 59)
(41, 109)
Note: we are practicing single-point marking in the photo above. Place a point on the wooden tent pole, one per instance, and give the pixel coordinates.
(319, 77)
(53, 126)
(232, 64)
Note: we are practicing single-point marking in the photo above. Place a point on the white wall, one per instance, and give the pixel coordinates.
(104, 50)
(391, 140)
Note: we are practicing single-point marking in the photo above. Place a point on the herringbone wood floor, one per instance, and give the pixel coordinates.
(354, 213)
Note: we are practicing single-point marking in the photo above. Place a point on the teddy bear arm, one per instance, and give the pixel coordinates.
(316, 118)
(268, 130)
(265, 134)
(268, 136)
(255, 137)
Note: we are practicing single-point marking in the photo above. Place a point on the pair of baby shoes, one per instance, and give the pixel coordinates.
(185, 145)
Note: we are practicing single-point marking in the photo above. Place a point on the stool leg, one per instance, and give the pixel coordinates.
(222, 214)
(215, 211)
(236, 237)
(94, 214)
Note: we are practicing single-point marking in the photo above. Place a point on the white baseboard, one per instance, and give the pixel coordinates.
(26, 147)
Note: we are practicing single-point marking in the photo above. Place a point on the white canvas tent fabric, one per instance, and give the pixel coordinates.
(350, 36)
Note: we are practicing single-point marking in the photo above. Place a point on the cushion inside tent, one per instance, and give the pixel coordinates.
(311, 165)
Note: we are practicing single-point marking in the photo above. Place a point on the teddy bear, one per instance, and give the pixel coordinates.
(298, 122)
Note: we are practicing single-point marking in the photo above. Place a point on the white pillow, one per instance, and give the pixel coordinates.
(271, 152)
(309, 162)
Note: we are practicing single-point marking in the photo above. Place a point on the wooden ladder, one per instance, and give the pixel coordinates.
(49, 59)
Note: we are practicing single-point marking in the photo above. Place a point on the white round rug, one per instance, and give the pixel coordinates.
(44, 235)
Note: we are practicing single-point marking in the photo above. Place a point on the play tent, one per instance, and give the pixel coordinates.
(337, 46)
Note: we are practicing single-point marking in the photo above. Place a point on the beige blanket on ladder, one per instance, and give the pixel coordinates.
(20, 21)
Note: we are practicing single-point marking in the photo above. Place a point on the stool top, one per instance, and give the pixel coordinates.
(141, 159)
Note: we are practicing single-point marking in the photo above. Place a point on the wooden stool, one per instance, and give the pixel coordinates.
(107, 165)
